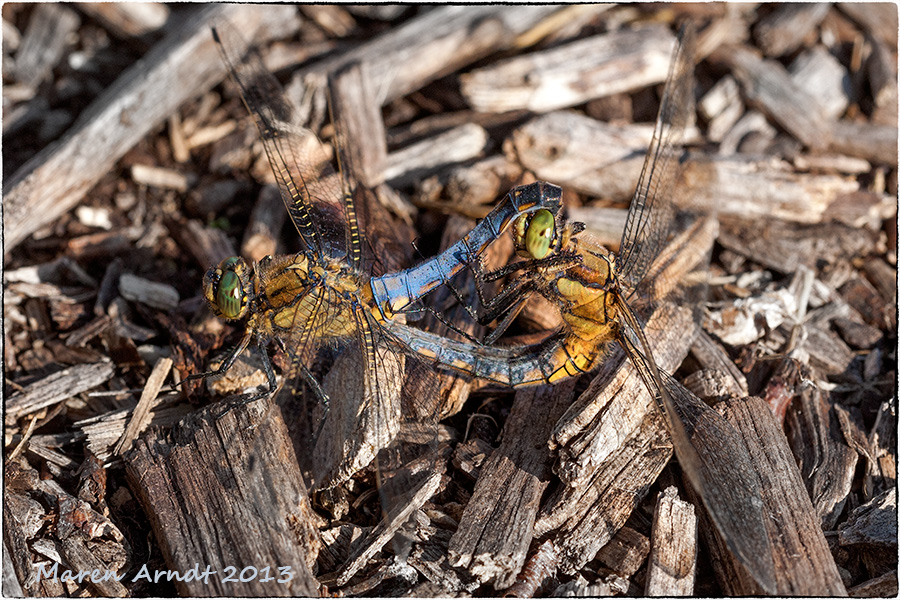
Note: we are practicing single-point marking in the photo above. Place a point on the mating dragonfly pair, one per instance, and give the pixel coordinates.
(328, 302)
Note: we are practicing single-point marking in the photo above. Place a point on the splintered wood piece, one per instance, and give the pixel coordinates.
(626, 552)
(803, 562)
(361, 134)
(594, 67)
(266, 220)
(878, 19)
(862, 295)
(496, 528)
(617, 401)
(871, 529)
(224, 489)
(873, 524)
(442, 41)
(784, 246)
(871, 141)
(722, 107)
(768, 85)
(385, 530)
(430, 559)
(57, 178)
(55, 388)
(481, 183)
(152, 293)
(673, 547)
(881, 473)
(162, 178)
(141, 415)
(76, 555)
(540, 568)
(127, 19)
(817, 69)
(44, 41)
(712, 355)
(584, 154)
(883, 586)
(762, 188)
(87, 540)
(782, 31)
(882, 78)
(423, 158)
(587, 517)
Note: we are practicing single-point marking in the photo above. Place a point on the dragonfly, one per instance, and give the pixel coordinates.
(331, 301)
(596, 292)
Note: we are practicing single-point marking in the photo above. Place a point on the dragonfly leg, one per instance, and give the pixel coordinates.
(509, 302)
(226, 364)
(313, 384)
(270, 376)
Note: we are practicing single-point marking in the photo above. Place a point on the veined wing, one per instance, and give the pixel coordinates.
(651, 212)
(712, 455)
(313, 195)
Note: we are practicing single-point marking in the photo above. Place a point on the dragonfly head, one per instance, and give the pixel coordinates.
(226, 288)
(537, 235)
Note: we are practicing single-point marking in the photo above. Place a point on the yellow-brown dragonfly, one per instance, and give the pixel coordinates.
(594, 290)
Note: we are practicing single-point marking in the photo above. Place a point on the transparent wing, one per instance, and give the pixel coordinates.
(712, 456)
(312, 193)
(651, 212)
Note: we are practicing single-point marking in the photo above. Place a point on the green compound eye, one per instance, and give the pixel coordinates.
(229, 295)
(539, 234)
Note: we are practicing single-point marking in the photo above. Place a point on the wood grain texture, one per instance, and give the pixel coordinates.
(803, 562)
(225, 490)
(673, 547)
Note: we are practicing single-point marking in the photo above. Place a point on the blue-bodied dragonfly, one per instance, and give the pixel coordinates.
(595, 291)
(326, 301)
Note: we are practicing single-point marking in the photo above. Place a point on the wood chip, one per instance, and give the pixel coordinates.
(158, 295)
(423, 158)
(767, 84)
(803, 562)
(266, 220)
(361, 136)
(442, 40)
(817, 69)
(673, 547)
(872, 524)
(782, 31)
(132, 19)
(44, 41)
(825, 460)
(140, 417)
(495, 531)
(881, 473)
(626, 552)
(563, 76)
(253, 511)
(57, 388)
(158, 177)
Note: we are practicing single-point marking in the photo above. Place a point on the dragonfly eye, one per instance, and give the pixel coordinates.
(230, 295)
(540, 233)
